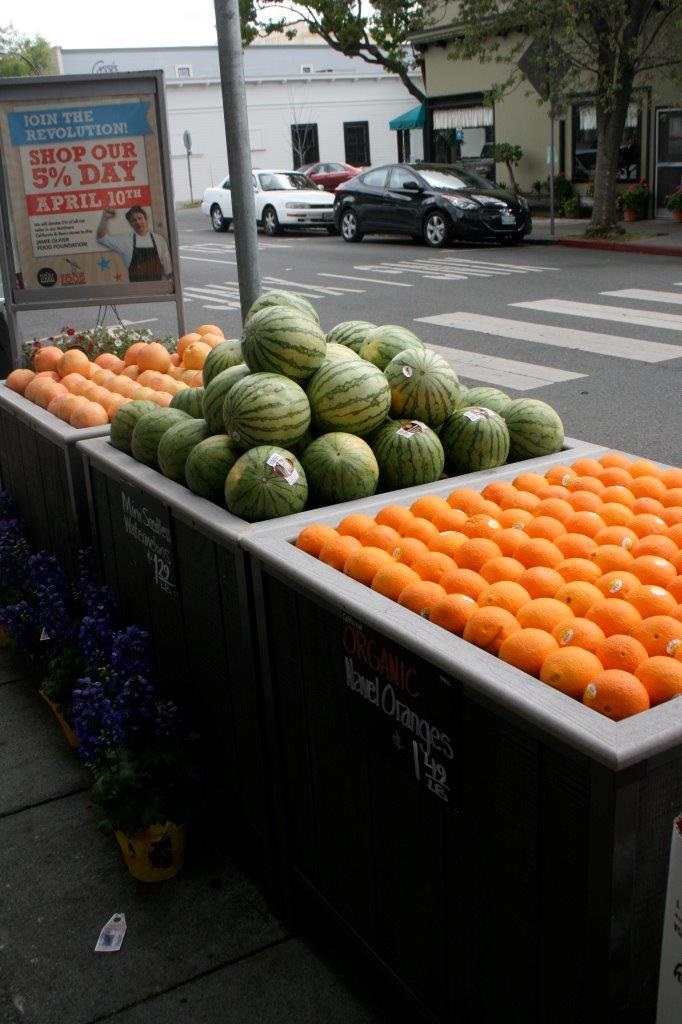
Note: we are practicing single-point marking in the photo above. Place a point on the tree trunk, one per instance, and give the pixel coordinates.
(512, 179)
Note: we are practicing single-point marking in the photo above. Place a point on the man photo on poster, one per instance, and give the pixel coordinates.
(144, 252)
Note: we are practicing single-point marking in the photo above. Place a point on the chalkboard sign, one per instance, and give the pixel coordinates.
(146, 524)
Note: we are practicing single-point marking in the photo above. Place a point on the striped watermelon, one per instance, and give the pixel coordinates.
(383, 343)
(227, 353)
(282, 340)
(266, 408)
(125, 421)
(216, 392)
(266, 482)
(175, 446)
(489, 398)
(337, 351)
(280, 297)
(149, 429)
(423, 386)
(474, 438)
(408, 453)
(189, 400)
(208, 464)
(351, 334)
(535, 428)
(348, 395)
(340, 467)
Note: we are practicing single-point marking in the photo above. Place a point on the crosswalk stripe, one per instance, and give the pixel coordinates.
(560, 337)
(675, 298)
(370, 280)
(510, 373)
(206, 259)
(666, 321)
(316, 290)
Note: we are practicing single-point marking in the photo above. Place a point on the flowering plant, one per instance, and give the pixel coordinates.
(95, 340)
(636, 196)
(674, 200)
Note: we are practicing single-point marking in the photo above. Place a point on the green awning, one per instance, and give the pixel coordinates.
(413, 118)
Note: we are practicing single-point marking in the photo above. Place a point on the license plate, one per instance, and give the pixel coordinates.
(508, 218)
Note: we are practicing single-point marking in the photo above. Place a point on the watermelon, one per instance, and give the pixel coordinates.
(351, 334)
(282, 340)
(176, 444)
(149, 430)
(489, 398)
(337, 351)
(280, 297)
(383, 343)
(227, 353)
(423, 386)
(125, 421)
(208, 464)
(340, 467)
(266, 408)
(215, 393)
(474, 438)
(189, 400)
(535, 428)
(348, 395)
(408, 453)
(266, 482)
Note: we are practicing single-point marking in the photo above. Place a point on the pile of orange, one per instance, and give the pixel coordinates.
(88, 393)
(573, 576)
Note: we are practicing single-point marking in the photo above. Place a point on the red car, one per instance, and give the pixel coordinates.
(330, 175)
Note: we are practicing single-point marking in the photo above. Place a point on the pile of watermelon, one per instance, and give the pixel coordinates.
(290, 418)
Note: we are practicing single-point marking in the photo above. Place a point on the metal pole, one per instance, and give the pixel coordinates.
(551, 171)
(189, 174)
(238, 150)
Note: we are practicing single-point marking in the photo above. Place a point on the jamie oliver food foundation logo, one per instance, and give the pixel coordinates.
(46, 277)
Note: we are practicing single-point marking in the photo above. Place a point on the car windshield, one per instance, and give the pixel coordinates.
(284, 182)
(449, 179)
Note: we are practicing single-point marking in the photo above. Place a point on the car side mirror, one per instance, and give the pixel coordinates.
(320, 188)
(412, 186)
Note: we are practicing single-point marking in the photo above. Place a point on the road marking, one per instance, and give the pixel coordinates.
(511, 373)
(561, 337)
(450, 268)
(205, 259)
(316, 290)
(647, 296)
(370, 280)
(135, 323)
(666, 321)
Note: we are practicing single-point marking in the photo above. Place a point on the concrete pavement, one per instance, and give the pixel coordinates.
(656, 237)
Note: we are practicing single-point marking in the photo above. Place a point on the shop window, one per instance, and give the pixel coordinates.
(584, 120)
(356, 143)
(304, 144)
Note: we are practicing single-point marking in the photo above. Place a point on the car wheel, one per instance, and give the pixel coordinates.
(271, 222)
(437, 229)
(349, 227)
(331, 230)
(217, 220)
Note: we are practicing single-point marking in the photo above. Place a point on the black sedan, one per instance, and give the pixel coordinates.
(434, 202)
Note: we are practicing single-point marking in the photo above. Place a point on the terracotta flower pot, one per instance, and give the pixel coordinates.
(677, 215)
(66, 728)
(156, 853)
(630, 215)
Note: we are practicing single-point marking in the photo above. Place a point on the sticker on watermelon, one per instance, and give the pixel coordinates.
(478, 412)
(411, 427)
(283, 467)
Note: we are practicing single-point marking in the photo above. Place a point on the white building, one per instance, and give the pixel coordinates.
(305, 102)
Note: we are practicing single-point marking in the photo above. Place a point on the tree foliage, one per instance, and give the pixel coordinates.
(22, 55)
(603, 47)
(376, 33)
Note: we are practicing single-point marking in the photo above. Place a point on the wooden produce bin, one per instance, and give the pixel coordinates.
(497, 848)
(41, 469)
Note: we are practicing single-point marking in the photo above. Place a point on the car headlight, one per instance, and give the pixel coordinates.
(523, 203)
(297, 206)
(462, 204)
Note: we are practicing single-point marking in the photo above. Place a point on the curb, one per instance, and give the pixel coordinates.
(637, 247)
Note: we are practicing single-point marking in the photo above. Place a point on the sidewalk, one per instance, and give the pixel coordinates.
(202, 948)
(656, 237)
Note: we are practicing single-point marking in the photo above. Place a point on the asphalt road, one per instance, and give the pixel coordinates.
(596, 334)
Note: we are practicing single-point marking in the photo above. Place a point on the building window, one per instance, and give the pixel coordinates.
(306, 69)
(356, 143)
(465, 133)
(183, 70)
(584, 121)
(304, 145)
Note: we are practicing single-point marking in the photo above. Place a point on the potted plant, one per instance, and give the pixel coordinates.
(674, 203)
(635, 200)
(571, 207)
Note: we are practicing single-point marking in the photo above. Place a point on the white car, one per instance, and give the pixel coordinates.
(284, 199)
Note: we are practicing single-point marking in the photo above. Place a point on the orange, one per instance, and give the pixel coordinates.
(89, 414)
(614, 615)
(653, 569)
(377, 536)
(672, 477)
(587, 467)
(545, 526)
(481, 525)
(504, 594)
(18, 379)
(195, 354)
(150, 379)
(463, 581)
(578, 595)
(364, 563)
(449, 519)
(123, 386)
(46, 358)
(586, 483)
(570, 669)
(645, 467)
(132, 351)
(659, 634)
(654, 544)
(496, 490)
(553, 491)
(74, 361)
(621, 651)
(502, 568)
(650, 599)
(540, 581)
(615, 476)
(212, 340)
(114, 404)
(449, 542)
(57, 401)
(616, 694)
(615, 514)
(675, 531)
(521, 499)
(672, 516)
(527, 650)
(475, 552)
(420, 597)
(529, 481)
(161, 398)
(556, 508)
(422, 529)
(209, 329)
(622, 535)
(584, 501)
(488, 628)
(611, 557)
(576, 545)
(538, 551)
(390, 580)
(560, 475)
(428, 506)
(589, 523)
(508, 539)
(650, 505)
(647, 486)
(675, 588)
(132, 371)
(542, 613)
(617, 584)
(408, 549)
(452, 612)
(108, 361)
(433, 565)
(662, 678)
(578, 569)
(645, 523)
(617, 496)
(578, 632)
(672, 497)
(336, 550)
(465, 498)
(355, 524)
(154, 356)
(614, 459)
(515, 517)
(67, 407)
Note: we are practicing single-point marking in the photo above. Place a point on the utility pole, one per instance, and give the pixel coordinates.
(238, 150)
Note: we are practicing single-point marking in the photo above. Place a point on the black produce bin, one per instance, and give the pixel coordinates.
(498, 849)
(43, 472)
